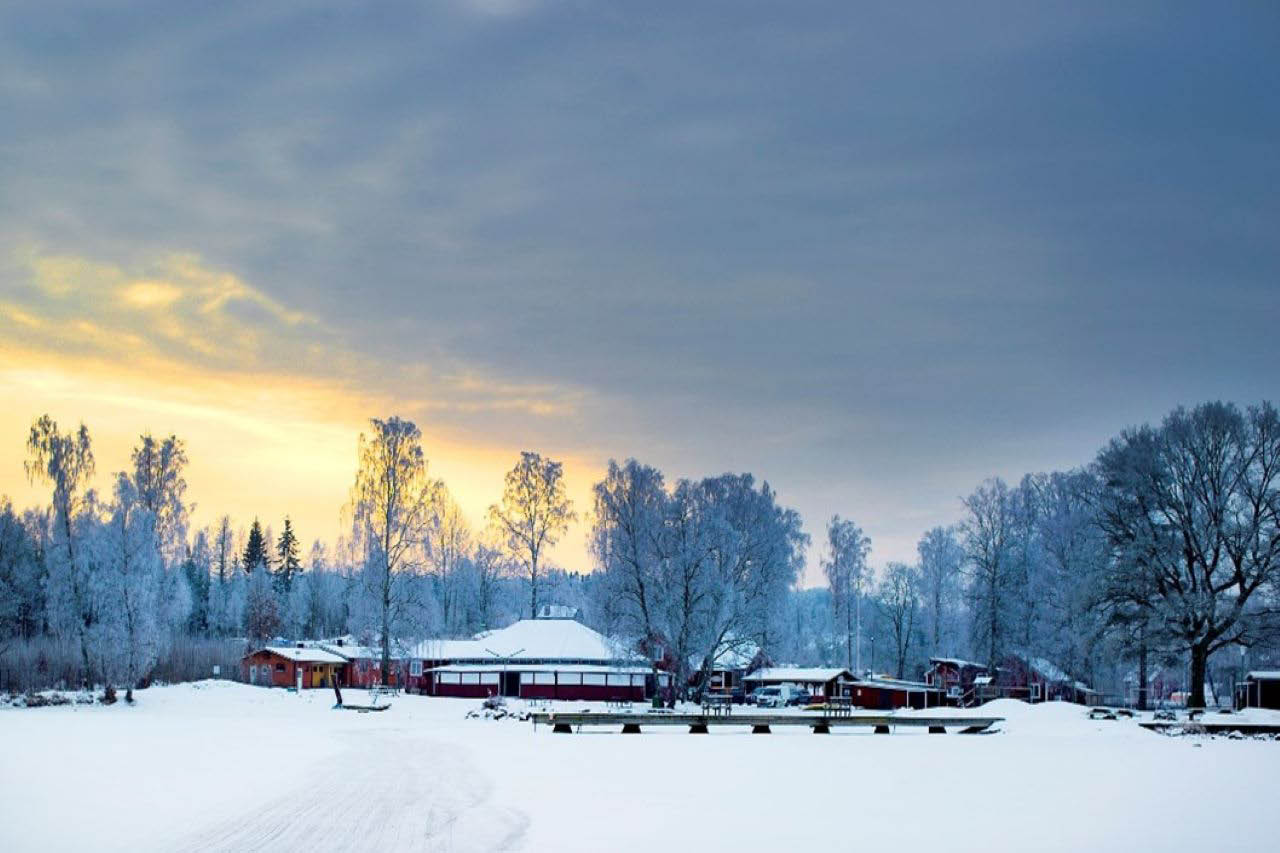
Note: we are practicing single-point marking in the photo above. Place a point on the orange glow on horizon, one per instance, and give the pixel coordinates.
(263, 440)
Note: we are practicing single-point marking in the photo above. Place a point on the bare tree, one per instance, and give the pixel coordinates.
(1192, 514)
(987, 537)
(899, 602)
(448, 542)
(534, 513)
(941, 561)
(391, 509)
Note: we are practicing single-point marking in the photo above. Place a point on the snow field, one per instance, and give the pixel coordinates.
(222, 766)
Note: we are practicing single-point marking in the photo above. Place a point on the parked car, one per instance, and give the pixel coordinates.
(802, 697)
(769, 697)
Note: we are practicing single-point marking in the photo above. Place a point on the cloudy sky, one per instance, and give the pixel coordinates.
(872, 253)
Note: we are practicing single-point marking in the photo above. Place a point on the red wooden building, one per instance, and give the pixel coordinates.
(290, 666)
(545, 658)
(953, 676)
(889, 694)
(364, 664)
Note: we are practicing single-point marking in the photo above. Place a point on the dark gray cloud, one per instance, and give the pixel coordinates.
(872, 252)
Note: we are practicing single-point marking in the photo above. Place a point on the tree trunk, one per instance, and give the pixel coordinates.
(1199, 663)
(1142, 673)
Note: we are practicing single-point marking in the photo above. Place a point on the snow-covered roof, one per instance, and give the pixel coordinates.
(305, 655)
(1264, 675)
(528, 640)
(496, 666)
(958, 662)
(799, 674)
(894, 683)
(1048, 669)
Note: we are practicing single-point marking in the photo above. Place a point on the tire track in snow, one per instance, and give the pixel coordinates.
(387, 792)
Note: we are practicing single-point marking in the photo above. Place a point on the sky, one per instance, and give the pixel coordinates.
(872, 253)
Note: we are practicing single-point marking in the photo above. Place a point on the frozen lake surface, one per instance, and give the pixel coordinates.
(223, 766)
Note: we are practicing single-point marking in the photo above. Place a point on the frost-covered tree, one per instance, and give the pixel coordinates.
(988, 537)
(256, 550)
(486, 567)
(941, 562)
(287, 563)
(534, 513)
(197, 572)
(1073, 548)
(21, 596)
(756, 552)
(845, 567)
(899, 603)
(448, 542)
(392, 503)
(161, 488)
(630, 509)
(1192, 515)
(262, 617)
(65, 461)
(131, 631)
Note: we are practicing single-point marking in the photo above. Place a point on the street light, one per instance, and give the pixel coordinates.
(503, 686)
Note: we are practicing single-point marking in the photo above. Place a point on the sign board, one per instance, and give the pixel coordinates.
(217, 670)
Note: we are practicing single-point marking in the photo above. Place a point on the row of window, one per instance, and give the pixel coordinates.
(589, 679)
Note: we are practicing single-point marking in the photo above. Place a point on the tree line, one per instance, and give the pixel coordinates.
(1161, 551)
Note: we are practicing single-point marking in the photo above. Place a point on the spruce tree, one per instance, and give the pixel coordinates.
(287, 551)
(255, 550)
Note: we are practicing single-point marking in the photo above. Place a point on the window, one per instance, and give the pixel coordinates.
(415, 668)
(544, 678)
(488, 678)
(571, 678)
(593, 679)
(470, 678)
(449, 678)
(637, 681)
(279, 667)
(615, 680)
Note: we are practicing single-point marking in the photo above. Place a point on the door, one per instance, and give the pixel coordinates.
(511, 684)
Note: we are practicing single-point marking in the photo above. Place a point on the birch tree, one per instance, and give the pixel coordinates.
(534, 513)
(941, 560)
(988, 532)
(899, 602)
(391, 508)
(630, 509)
(845, 567)
(65, 461)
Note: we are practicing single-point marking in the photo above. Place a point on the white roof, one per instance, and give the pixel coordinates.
(1264, 674)
(800, 674)
(958, 662)
(496, 666)
(307, 655)
(528, 639)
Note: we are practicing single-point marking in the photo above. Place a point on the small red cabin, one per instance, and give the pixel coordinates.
(286, 666)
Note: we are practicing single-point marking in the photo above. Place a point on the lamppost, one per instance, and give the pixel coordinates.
(504, 658)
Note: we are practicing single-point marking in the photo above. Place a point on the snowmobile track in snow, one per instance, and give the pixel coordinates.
(391, 790)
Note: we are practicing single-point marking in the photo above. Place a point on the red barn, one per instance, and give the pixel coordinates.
(283, 666)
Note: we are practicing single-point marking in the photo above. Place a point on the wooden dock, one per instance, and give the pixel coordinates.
(1205, 725)
(700, 723)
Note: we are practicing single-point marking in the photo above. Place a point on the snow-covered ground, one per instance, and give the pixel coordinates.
(222, 766)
